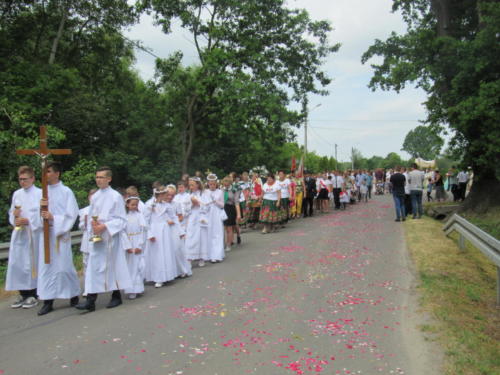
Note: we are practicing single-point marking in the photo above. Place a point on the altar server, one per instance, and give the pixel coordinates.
(24, 216)
(58, 279)
(107, 269)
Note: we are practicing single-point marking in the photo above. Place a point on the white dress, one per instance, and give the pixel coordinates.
(22, 266)
(196, 229)
(214, 201)
(182, 203)
(107, 268)
(59, 279)
(161, 264)
(135, 238)
(176, 232)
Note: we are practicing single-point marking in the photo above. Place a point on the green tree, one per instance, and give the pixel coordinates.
(451, 50)
(423, 142)
(260, 44)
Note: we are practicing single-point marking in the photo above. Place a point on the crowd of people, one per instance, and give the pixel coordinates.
(127, 242)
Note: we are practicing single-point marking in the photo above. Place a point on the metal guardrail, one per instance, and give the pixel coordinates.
(76, 239)
(487, 244)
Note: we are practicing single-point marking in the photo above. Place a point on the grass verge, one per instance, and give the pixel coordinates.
(458, 289)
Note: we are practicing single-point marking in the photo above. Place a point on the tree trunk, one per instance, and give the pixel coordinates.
(441, 9)
(188, 134)
(484, 195)
(55, 42)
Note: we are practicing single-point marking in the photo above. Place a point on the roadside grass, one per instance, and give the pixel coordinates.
(489, 222)
(458, 289)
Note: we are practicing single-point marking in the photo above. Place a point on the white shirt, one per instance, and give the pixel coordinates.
(462, 177)
(337, 182)
(284, 187)
(271, 191)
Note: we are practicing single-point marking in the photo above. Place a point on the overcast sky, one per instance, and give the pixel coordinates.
(375, 123)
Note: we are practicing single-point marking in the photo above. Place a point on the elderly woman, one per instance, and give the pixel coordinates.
(270, 210)
(232, 208)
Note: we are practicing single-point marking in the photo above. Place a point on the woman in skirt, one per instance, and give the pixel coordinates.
(254, 201)
(232, 208)
(270, 210)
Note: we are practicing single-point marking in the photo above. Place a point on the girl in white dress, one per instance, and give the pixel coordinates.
(177, 232)
(197, 224)
(214, 199)
(161, 264)
(135, 244)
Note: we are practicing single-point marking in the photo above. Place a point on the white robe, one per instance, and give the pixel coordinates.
(107, 268)
(214, 201)
(22, 266)
(196, 229)
(183, 265)
(182, 202)
(59, 279)
(135, 238)
(161, 264)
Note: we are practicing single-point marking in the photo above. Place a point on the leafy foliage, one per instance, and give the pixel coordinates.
(451, 50)
(423, 142)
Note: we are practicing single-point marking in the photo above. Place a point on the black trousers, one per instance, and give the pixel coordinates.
(28, 293)
(336, 197)
(462, 187)
(307, 205)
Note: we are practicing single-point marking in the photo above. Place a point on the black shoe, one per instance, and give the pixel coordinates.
(74, 301)
(88, 305)
(238, 240)
(404, 219)
(46, 308)
(397, 220)
(114, 303)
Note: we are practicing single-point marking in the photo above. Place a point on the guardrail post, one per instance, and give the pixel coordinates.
(461, 242)
(498, 286)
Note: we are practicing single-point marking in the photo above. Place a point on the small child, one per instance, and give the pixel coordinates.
(429, 190)
(363, 191)
(344, 198)
(174, 214)
(136, 235)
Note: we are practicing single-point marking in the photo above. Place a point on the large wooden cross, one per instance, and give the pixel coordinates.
(43, 152)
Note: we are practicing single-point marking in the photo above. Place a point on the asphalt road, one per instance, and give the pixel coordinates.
(330, 294)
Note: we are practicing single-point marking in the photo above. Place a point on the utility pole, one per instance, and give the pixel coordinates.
(305, 129)
(336, 162)
(306, 112)
(352, 158)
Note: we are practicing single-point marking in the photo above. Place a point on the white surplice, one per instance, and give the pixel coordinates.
(183, 202)
(59, 279)
(22, 266)
(135, 238)
(214, 202)
(160, 257)
(196, 228)
(107, 268)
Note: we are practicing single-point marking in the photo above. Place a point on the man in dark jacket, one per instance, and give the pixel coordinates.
(309, 194)
(398, 192)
